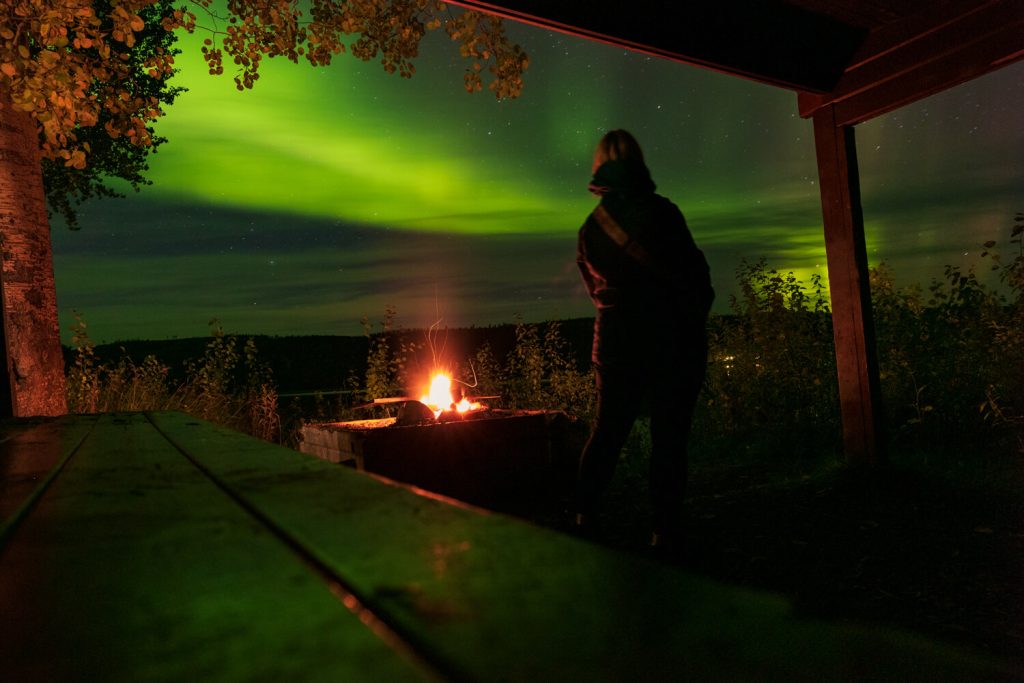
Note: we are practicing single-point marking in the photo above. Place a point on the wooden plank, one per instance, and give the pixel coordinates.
(849, 287)
(891, 50)
(498, 599)
(135, 567)
(972, 60)
(766, 41)
(923, 56)
(890, 34)
(31, 456)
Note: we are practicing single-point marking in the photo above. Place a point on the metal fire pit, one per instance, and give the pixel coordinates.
(500, 459)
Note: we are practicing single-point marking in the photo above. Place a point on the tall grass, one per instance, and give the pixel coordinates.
(539, 372)
(227, 386)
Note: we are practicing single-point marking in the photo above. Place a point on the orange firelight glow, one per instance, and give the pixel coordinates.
(439, 397)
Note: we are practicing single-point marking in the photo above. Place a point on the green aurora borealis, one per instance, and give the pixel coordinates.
(324, 195)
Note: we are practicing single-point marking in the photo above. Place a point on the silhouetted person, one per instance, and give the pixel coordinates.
(652, 289)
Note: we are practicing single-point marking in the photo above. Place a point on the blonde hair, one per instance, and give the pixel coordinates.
(618, 145)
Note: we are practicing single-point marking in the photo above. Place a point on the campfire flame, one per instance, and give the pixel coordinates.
(439, 397)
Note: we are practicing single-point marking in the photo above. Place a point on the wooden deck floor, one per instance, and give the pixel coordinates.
(160, 547)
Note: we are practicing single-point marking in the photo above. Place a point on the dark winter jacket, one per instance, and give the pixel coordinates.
(646, 276)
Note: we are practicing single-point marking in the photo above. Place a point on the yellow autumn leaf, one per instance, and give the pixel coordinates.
(76, 160)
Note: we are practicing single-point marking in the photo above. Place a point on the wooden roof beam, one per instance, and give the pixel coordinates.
(906, 61)
(767, 41)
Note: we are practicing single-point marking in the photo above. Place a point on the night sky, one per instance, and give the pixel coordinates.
(327, 194)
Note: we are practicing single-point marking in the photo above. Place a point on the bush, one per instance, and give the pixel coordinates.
(94, 387)
(771, 366)
(951, 359)
(539, 372)
(223, 386)
(952, 366)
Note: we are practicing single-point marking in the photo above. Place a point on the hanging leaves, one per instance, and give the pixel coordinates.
(388, 30)
(72, 64)
(69, 64)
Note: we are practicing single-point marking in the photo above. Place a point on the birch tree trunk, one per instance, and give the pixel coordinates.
(32, 382)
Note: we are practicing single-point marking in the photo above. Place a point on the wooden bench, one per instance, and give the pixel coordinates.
(138, 547)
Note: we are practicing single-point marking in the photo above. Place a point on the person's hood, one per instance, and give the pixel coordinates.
(621, 176)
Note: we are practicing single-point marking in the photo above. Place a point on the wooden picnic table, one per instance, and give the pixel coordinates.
(159, 547)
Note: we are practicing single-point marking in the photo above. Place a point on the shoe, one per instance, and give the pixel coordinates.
(667, 547)
(584, 526)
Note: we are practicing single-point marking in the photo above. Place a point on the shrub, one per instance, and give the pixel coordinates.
(952, 365)
(771, 363)
(483, 373)
(94, 387)
(223, 386)
(83, 377)
(539, 372)
(381, 365)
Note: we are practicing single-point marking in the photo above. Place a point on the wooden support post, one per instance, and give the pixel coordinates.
(852, 325)
(33, 375)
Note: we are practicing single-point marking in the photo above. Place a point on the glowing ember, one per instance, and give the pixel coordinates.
(439, 397)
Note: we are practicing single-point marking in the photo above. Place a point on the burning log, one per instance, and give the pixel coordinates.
(443, 402)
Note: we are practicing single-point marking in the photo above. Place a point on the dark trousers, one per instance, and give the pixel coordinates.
(672, 387)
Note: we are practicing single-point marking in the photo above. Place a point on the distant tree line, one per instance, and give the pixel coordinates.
(951, 359)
